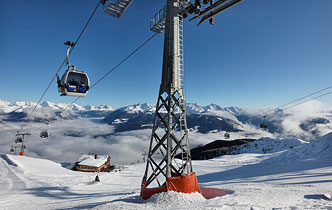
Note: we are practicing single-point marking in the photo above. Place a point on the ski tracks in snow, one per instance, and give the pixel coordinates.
(8, 179)
(10, 184)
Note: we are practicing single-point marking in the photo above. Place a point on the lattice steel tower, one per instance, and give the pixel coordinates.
(170, 133)
(169, 164)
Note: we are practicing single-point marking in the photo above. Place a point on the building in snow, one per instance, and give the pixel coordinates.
(94, 163)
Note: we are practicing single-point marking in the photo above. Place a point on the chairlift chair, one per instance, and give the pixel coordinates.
(73, 82)
(19, 139)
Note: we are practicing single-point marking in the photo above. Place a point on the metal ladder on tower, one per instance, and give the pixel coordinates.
(181, 58)
(183, 123)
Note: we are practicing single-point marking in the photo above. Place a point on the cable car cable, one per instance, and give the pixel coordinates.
(64, 61)
(271, 114)
(126, 58)
(270, 111)
(107, 73)
(304, 97)
(308, 100)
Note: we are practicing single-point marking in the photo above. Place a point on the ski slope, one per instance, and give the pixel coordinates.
(291, 179)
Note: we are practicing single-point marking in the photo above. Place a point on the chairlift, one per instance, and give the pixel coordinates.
(263, 125)
(227, 135)
(73, 82)
(19, 139)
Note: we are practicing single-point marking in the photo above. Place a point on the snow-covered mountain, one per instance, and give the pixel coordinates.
(203, 119)
(214, 118)
(48, 111)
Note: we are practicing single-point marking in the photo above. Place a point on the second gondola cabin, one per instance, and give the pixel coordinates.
(44, 134)
(227, 135)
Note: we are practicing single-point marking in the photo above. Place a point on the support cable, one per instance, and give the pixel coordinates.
(308, 100)
(270, 112)
(126, 58)
(107, 73)
(311, 94)
(78, 38)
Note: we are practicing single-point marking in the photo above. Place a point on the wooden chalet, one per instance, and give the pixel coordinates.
(93, 163)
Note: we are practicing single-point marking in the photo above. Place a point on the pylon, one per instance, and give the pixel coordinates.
(169, 137)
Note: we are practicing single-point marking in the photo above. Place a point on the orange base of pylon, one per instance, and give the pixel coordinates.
(22, 153)
(184, 184)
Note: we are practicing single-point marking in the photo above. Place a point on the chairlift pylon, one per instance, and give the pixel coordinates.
(73, 82)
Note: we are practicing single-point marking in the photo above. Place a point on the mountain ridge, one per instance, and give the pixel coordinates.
(203, 119)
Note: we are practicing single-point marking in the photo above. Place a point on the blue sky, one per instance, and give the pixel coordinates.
(259, 53)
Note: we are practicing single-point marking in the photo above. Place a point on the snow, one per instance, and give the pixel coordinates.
(137, 108)
(287, 174)
(7, 107)
(99, 108)
(89, 160)
(269, 145)
(295, 178)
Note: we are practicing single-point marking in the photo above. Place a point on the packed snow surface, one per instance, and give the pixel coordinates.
(268, 145)
(295, 178)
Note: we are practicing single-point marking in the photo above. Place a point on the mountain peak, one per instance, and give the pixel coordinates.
(136, 108)
(47, 104)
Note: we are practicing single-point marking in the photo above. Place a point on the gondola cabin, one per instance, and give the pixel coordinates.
(263, 126)
(227, 135)
(44, 134)
(73, 83)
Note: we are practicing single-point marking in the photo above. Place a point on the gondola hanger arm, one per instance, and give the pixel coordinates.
(70, 45)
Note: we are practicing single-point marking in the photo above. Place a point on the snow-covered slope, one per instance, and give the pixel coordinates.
(291, 179)
(321, 148)
(268, 145)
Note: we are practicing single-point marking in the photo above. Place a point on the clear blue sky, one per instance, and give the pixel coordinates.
(259, 53)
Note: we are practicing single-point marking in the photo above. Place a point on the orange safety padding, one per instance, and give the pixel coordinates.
(22, 153)
(146, 193)
(184, 184)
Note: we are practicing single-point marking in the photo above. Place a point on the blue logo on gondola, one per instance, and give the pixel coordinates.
(81, 89)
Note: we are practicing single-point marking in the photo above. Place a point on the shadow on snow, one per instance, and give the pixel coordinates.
(268, 171)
